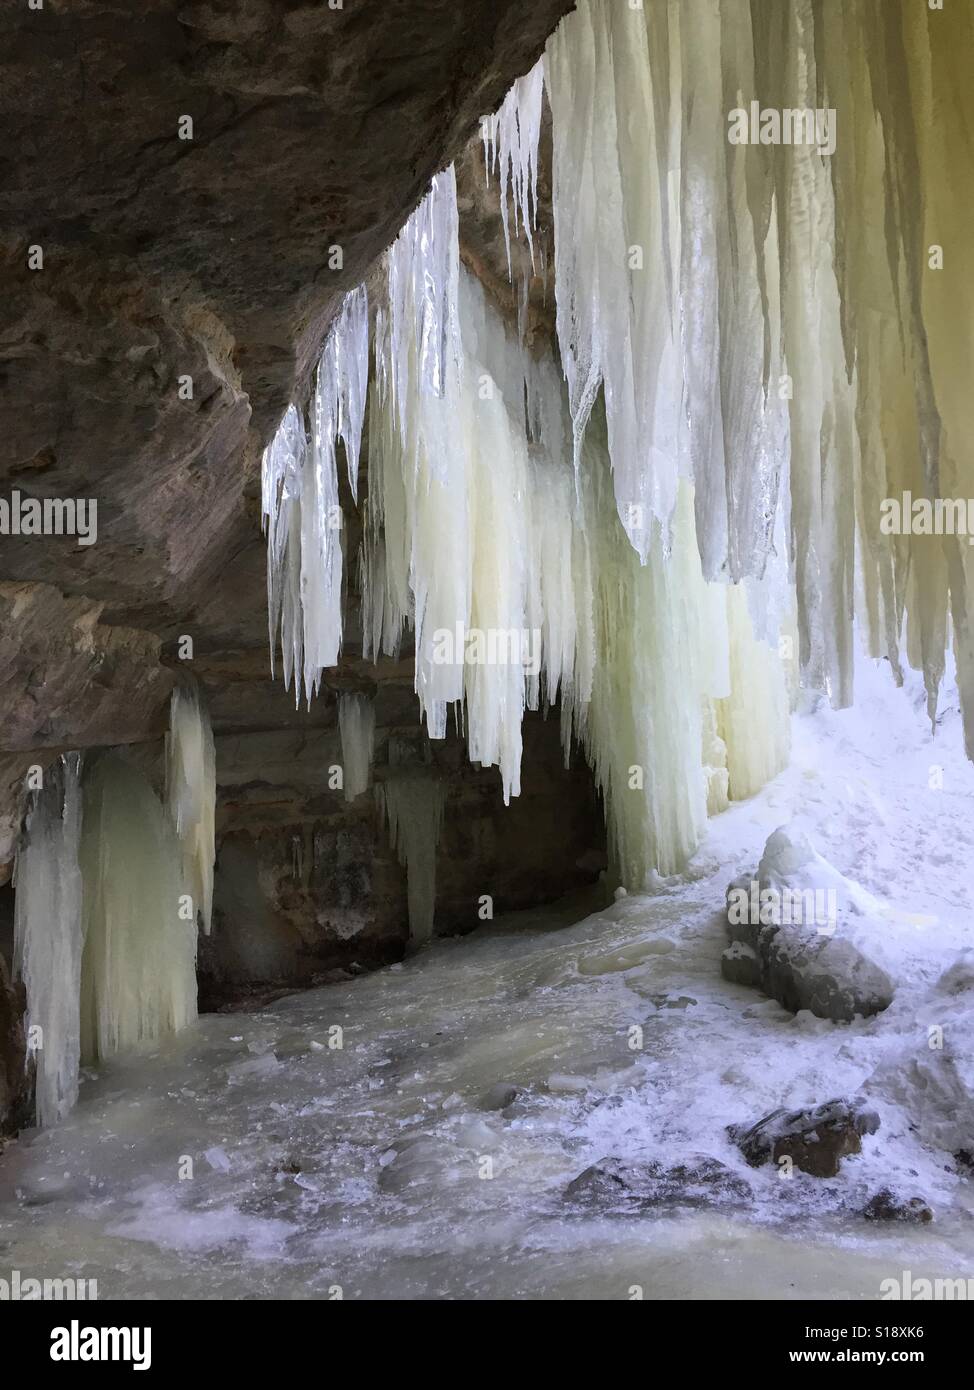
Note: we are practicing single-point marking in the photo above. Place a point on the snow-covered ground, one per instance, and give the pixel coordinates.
(376, 1168)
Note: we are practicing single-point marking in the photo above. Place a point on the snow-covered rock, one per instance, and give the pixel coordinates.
(790, 930)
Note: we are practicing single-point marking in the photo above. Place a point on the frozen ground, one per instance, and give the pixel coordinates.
(366, 1167)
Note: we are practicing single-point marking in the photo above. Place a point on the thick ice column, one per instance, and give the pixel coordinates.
(191, 794)
(48, 937)
(138, 975)
(823, 444)
(356, 726)
(753, 720)
(412, 806)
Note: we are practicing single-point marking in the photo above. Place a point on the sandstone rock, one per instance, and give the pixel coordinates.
(885, 1205)
(815, 1139)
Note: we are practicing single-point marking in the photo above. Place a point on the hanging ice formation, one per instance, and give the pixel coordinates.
(511, 138)
(300, 503)
(510, 566)
(411, 804)
(191, 794)
(138, 977)
(48, 937)
(755, 306)
(356, 727)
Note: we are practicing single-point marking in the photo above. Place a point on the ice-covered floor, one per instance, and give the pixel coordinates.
(375, 1168)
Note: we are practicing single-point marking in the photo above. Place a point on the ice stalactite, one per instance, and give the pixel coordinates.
(499, 543)
(634, 651)
(49, 937)
(300, 503)
(810, 272)
(356, 726)
(138, 977)
(191, 794)
(411, 803)
(511, 137)
(614, 254)
(665, 668)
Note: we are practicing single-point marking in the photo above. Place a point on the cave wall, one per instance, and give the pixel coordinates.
(313, 126)
(211, 260)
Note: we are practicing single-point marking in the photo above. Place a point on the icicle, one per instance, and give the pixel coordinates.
(412, 806)
(423, 274)
(616, 313)
(138, 974)
(302, 513)
(356, 725)
(48, 937)
(511, 137)
(191, 794)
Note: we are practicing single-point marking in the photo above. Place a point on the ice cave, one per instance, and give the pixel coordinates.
(487, 647)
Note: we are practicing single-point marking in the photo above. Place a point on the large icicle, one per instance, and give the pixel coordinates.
(302, 513)
(511, 137)
(191, 794)
(412, 806)
(356, 727)
(138, 976)
(614, 280)
(48, 937)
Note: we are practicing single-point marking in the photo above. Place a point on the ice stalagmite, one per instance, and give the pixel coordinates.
(302, 514)
(356, 726)
(48, 937)
(138, 976)
(191, 794)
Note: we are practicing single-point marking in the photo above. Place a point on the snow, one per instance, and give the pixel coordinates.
(363, 1166)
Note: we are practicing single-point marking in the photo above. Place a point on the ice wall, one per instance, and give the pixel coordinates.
(191, 794)
(49, 936)
(138, 976)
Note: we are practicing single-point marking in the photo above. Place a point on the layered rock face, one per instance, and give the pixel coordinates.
(187, 191)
